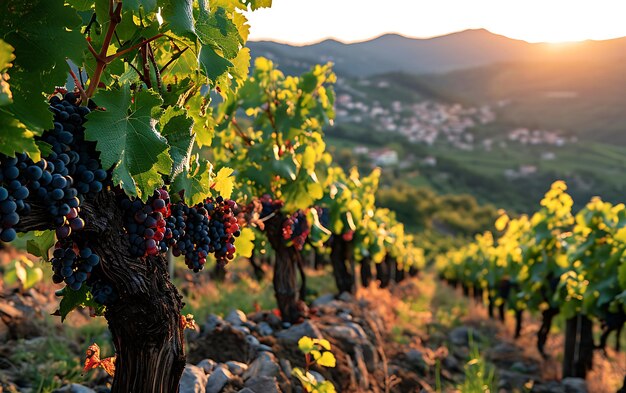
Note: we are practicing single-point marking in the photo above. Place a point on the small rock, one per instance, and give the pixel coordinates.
(286, 325)
(415, 359)
(461, 336)
(264, 329)
(519, 367)
(252, 341)
(346, 297)
(296, 332)
(285, 365)
(237, 368)
(265, 365)
(241, 328)
(262, 384)
(246, 390)
(342, 332)
(346, 316)
(4, 331)
(218, 379)
(212, 323)
(236, 317)
(574, 385)
(322, 300)
(264, 348)
(450, 363)
(74, 388)
(193, 380)
(208, 365)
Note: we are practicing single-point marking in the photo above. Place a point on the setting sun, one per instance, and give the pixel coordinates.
(355, 20)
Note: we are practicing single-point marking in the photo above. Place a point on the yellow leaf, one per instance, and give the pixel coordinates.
(244, 244)
(224, 183)
(327, 360)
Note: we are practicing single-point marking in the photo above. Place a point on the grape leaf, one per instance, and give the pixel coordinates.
(82, 5)
(176, 127)
(15, 137)
(178, 17)
(148, 5)
(218, 30)
(127, 139)
(244, 244)
(224, 183)
(37, 243)
(212, 64)
(256, 4)
(6, 57)
(39, 66)
(194, 181)
(74, 299)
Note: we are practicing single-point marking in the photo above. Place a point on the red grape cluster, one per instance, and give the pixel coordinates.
(296, 229)
(195, 232)
(145, 223)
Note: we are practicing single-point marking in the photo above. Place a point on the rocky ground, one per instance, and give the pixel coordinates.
(420, 346)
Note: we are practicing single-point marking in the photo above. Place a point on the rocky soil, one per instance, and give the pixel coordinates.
(256, 353)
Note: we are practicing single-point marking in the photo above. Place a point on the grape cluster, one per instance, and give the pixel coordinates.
(12, 195)
(296, 229)
(269, 205)
(72, 264)
(207, 228)
(146, 223)
(69, 173)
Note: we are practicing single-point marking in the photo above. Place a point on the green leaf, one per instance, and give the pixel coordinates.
(256, 4)
(6, 57)
(127, 140)
(218, 30)
(15, 137)
(194, 181)
(176, 127)
(36, 243)
(178, 17)
(621, 275)
(74, 299)
(134, 5)
(39, 65)
(212, 64)
(82, 5)
(244, 244)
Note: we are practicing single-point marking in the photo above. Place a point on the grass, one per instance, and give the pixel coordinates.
(479, 374)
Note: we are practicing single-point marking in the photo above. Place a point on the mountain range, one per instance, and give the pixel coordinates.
(461, 50)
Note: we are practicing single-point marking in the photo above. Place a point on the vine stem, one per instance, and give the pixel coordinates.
(79, 86)
(239, 131)
(115, 16)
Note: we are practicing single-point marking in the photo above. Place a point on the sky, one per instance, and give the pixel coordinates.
(307, 21)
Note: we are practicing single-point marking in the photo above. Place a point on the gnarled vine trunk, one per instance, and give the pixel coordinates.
(292, 308)
(145, 319)
(343, 264)
(366, 272)
(578, 353)
(546, 323)
(383, 271)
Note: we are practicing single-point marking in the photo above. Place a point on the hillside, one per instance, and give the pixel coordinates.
(584, 97)
(466, 49)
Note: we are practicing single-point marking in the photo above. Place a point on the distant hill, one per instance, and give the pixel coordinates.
(466, 49)
(586, 98)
